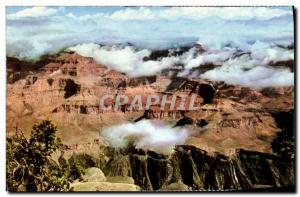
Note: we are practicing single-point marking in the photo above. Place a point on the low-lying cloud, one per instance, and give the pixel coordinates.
(147, 135)
(126, 60)
(251, 67)
(244, 71)
(245, 65)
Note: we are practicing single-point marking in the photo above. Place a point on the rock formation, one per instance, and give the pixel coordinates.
(235, 146)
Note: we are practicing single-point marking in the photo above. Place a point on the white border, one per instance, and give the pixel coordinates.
(115, 3)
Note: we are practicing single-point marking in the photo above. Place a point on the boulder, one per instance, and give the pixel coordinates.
(103, 186)
(120, 179)
(93, 175)
(177, 186)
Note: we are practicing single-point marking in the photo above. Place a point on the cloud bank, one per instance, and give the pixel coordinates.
(32, 32)
(169, 13)
(145, 135)
(262, 34)
(246, 65)
(125, 60)
(245, 71)
(174, 13)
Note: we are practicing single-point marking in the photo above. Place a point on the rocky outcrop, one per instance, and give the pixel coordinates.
(204, 68)
(190, 168)
(142, 81)
(204, 90)
(158, 54)
(20, 69)
(285, 64)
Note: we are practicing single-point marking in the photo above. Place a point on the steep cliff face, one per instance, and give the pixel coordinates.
(195, 168)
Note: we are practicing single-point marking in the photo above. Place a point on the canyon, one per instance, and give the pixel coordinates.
(236, 128)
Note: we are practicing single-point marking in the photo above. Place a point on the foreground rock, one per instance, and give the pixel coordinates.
(120, 179)
(103, 186)
(178, 186)
(93, 175)
(95, 180)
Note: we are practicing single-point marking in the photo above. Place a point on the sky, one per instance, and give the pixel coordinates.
(76, 10)
(264, 32)
(48, 29)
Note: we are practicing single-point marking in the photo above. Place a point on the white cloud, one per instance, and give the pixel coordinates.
(216, 57)
(133, 14)
(245, 65)
(34, 12)
(266, 53)
(146, 135)
(174, 13)
(245, 71)
(250, 69)
(127, 60)
(33, 32)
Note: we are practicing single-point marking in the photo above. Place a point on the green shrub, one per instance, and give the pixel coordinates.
(29, 166)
